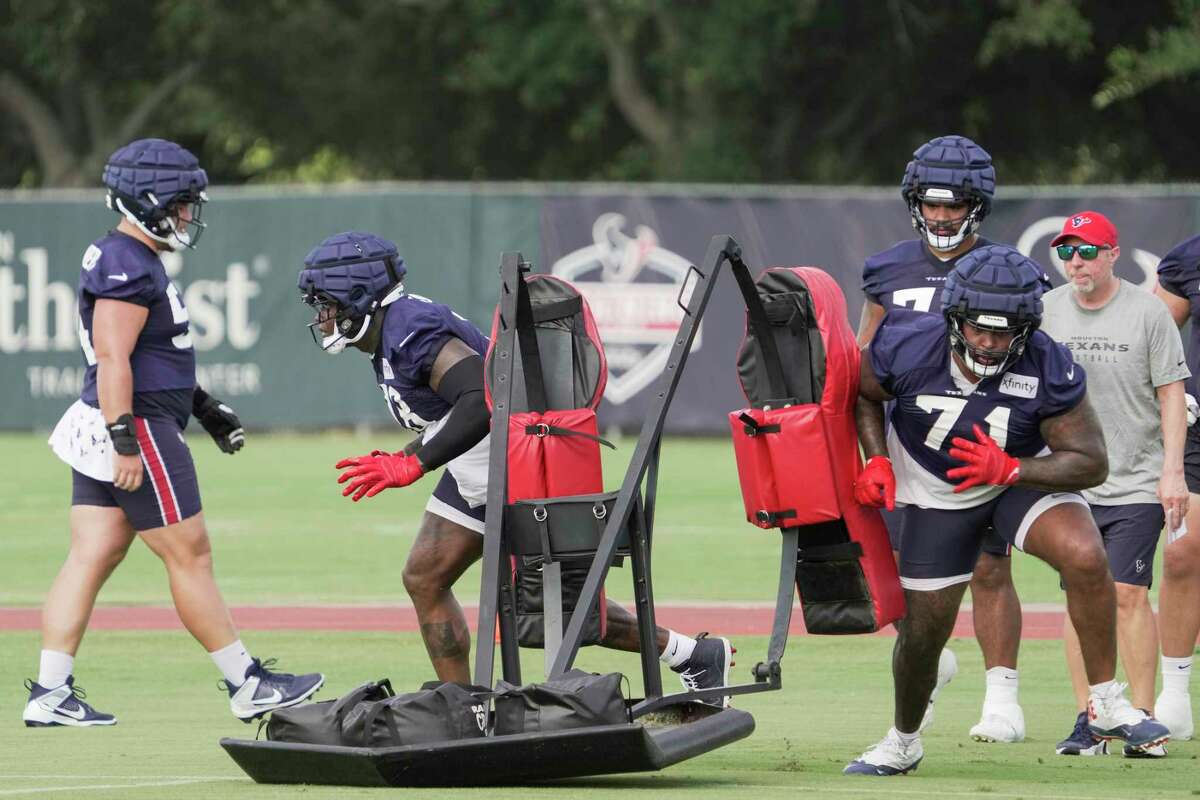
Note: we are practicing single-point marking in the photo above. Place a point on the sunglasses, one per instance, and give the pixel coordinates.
(1086, 251)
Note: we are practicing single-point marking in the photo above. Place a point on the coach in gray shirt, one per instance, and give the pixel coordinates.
(1127, 342)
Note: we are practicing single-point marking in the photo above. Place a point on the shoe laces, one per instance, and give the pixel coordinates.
(691, 680)
(259, 667)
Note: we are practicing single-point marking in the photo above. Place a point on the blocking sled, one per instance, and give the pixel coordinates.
(545, 373)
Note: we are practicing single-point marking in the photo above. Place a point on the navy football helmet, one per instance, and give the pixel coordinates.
(949, 170)
(993, 288)
(150, 182)
(346, 278)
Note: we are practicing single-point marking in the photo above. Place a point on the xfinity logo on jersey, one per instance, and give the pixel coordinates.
(1019, 385)
(631, 285)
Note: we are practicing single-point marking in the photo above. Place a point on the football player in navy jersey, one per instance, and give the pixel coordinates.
(132, 473)
(428, 361)
(993, 430)
(1179, 597)
(948, 188)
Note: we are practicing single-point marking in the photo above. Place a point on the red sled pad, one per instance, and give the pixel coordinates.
(553, 454)
(784, 466)
(797, 452)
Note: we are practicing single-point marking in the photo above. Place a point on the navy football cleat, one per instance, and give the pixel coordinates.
(1082, 742)
(265, 691)
(707, 667)
(889, 757)
(62, 705)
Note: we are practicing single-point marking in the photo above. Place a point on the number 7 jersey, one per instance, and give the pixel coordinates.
(907, 275)
(910, 356)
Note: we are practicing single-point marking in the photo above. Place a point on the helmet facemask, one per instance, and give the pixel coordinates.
(164, 223)
(335, 326)
(984, 363)
(949, 234)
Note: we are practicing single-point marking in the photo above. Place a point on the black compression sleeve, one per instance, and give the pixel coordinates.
(464, 376)
(468, 421)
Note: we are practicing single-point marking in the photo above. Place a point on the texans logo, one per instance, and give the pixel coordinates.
(1079, 222)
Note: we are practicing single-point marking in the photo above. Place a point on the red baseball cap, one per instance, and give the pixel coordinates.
(1091, 226)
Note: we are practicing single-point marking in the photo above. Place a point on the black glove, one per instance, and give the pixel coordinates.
(219, 420)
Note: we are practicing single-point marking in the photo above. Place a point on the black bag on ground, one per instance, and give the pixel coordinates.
(576, 699)
(321, 723)
(439, 712)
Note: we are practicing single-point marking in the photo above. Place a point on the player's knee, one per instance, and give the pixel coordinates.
(423, 581)
(1131, 597)
(1084, 558)
(991, 573)
(1181, 562)
(100, 558)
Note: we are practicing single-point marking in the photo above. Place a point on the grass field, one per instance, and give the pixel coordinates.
(283, 535)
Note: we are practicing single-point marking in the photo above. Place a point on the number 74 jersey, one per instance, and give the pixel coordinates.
(935, 403)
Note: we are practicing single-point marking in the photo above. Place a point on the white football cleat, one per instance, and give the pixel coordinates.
(1000, 723)
(889, 757)
(947, 669)
(1174, 709)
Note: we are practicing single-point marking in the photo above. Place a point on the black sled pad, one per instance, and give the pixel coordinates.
(500, 760)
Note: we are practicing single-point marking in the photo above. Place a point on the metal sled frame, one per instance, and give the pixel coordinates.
(667, 728)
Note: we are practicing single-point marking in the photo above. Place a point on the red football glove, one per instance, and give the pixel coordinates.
(986, 462)
(876, 484)
(370, 475)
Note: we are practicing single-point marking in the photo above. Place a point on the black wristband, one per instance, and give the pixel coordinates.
(124, 436)
(200, 399)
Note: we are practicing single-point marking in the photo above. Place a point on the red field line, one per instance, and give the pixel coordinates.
(726, 619)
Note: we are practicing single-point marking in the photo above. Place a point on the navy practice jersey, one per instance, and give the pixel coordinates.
(908, 275)
(935, 403)
(414, 330)
(119, 267)
(1179, 274)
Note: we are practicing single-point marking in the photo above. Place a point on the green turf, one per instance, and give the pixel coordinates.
(835, 703)
(282, 533)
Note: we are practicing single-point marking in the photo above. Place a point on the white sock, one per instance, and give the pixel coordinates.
(1176, 673)
(1100, 689)
(233, 661)
(906, 739)
(1001, 687)
(54, 669)
(678, 650)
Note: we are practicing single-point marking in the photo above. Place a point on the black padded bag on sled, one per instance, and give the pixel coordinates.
(439, 712)
(321, 723)
(564, 530)
(575, 699)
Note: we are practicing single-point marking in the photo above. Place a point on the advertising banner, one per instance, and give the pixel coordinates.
(629, 249)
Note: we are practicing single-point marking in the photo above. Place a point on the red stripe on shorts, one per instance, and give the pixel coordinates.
(158, 473)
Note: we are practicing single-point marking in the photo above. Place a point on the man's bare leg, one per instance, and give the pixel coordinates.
(441, 553)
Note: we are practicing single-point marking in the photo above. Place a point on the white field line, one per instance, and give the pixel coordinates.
(1038, 793)
(104, 786)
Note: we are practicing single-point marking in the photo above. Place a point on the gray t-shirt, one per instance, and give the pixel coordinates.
(1128, 348)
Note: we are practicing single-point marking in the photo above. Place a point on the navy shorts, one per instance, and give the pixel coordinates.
(939, 547)
(169, 492)
(447, 502)
(1191, 459)
(993, 543)
(1130, 535)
